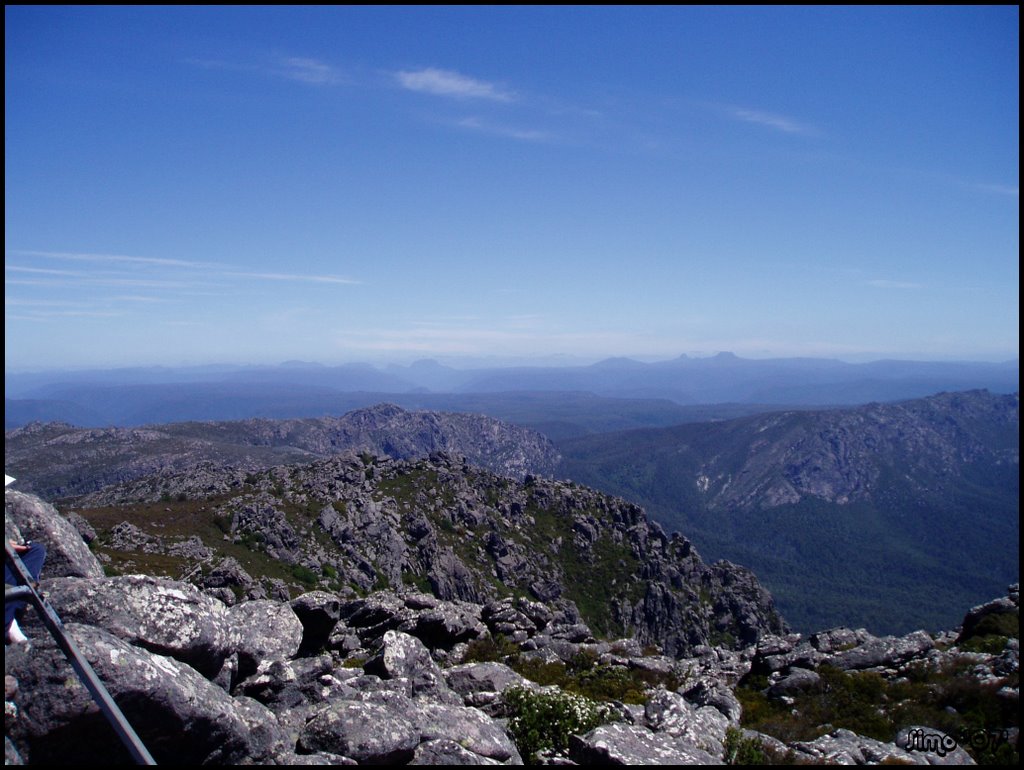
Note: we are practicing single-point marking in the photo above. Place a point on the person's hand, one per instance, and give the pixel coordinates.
(19, 547)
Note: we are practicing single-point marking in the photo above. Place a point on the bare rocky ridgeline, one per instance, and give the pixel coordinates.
(360, 522)
(59, 460)
(226, 670)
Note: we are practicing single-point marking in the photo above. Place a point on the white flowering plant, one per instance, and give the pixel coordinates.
(543, 720)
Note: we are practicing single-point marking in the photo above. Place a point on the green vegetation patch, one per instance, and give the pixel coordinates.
(949, 699)
(543, 721)
(176, 520)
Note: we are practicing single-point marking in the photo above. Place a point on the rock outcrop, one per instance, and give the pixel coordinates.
(394, 677)
(440, 524)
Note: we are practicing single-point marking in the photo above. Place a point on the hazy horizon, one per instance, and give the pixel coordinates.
(485, 362)
(251, 186)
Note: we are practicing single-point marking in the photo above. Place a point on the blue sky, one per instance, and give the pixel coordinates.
(263, 184)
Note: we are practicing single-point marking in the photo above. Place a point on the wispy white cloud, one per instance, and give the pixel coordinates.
(41, 271)
(206, 270)
(452, 84)
(295, 277)
(113, 258)
(310, 71)
(771, 120)
(882, 283)
(509, 132)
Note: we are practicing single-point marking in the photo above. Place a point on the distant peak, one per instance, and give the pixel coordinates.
(726, 356)
(617, 362)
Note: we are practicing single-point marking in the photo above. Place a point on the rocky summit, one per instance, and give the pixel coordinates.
(213, 671)
(355, 523)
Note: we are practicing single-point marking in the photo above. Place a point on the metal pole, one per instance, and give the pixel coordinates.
(85, 671)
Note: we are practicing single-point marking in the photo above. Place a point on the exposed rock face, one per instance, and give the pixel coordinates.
(886, 651)
(471, 536)
(26, 517)
(176, 711)
(369, 733)
(163, 616)
(623, 744)
(263, 630)
(405, 657)
(59, 460)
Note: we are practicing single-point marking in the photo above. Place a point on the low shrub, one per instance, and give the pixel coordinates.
(543, 721)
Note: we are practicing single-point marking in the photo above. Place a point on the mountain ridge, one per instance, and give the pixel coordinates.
(836, 499)
(360, 522)
(60, 460)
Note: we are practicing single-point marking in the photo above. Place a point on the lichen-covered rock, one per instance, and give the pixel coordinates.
(776, 658)
(883, 651)
(164, 616)
(405, 657)
(263, 630)
(704, 727)
(370, 733)
(81, 525)
(282, 684)
(445, 751)
(620, 744)
(181, 717)
(447, 624)
(372, 616)
(66, 551)
(473, 730)
(481, 684)
(127, 537)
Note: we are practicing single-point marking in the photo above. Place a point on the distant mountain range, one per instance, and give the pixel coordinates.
(882, 515)
(890, 516)
(128, 397)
